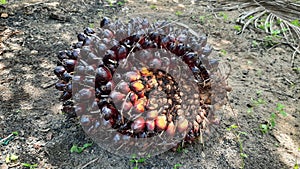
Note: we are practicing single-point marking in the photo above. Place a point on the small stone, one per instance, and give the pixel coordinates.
(245, 72)
(4, 15)
(34, 52)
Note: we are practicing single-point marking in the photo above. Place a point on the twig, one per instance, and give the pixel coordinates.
(6, 138)
(90, 162)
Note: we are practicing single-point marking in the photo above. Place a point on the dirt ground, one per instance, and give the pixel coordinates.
(33, 31)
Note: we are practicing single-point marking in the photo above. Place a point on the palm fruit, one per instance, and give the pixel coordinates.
(139, 75)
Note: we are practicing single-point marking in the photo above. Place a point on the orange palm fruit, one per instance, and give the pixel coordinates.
(161, 122)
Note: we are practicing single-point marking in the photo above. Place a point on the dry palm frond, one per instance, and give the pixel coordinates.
(278, 18)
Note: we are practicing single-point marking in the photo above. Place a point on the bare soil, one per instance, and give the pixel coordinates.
(33, 31)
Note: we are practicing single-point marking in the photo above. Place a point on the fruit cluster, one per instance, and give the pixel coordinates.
(140, 80)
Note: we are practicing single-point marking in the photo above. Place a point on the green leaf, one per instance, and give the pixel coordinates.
(243, 133)
(279, 107)
(273, 123)
(295, 22)
(15, 133)
(243, 155)
(141, 160)
(7, 159)
(86, 145)
(232, 127)
(177, 165)
(296, 166)
(76, 149)
(3, 2)
(264, 128)
(237, 27)
(13, 157)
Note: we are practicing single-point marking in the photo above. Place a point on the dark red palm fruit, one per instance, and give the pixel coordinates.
(150, 125)
(171, 47)
(133, 97)
(107, 34)
(69, 87)
(66, 77)
(88, 31)
(203, 72)
(108, 112)
(161, 122)
(65, 96)
(81, 37)
(141, 94)
(59, 71)
(138, 125)
(123, 87)
(69, 64)
(62, 55)
(110, 57)
(105, 21)
(145, 23)
(84, 94)
(171, 129)
(190, 58)
(155, 36)
(126, 106)
(180, 49)
(121, 52)
(79, 109)
(131, 76)
(77, 45)
(87, 41)
(182, 38)
(60, 86)
(116, 97)
(136, 86)
(103, 75)
(107, 88)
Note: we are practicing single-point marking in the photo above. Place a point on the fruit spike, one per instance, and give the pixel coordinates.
(126, 100)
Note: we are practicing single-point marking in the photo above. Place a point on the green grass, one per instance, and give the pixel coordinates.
(30, 166)
(77, 149)
(136, 161)
(238, 134)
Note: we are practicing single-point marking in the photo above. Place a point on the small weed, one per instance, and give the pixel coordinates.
(237, 28)
(136, 161)
(30, 166)
(11, 157)
(223, 52)
(176, 166)
(224, 15)
(264, 128)
(91, 25)
(295, 22)
(255, 43)
(180, 149)
(238, 134)
(296, 69)
(78, 149)
(3, 2)
(178, 13)
(153, 7)
(202, 19)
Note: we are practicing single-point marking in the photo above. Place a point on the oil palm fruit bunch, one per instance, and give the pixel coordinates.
(140, 87)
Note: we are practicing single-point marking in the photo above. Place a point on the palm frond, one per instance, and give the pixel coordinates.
(274, 17)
